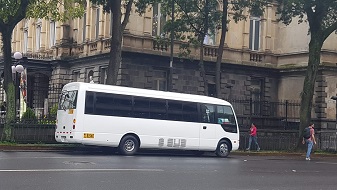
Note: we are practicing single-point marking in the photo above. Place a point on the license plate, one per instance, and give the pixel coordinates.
(88, 135)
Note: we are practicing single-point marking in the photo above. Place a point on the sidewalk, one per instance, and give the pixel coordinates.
(41, 147)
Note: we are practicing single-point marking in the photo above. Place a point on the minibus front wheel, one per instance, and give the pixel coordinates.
(223, 149)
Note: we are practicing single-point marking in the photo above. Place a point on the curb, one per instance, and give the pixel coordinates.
(76, 147)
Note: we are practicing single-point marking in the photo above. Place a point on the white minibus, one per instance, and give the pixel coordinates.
(132, 118)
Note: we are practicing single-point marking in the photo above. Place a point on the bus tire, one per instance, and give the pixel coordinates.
(129, 145)
(223, 149)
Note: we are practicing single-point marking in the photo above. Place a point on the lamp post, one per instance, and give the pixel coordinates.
(17, 68)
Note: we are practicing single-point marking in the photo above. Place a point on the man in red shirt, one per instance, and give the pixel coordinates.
(253, 137)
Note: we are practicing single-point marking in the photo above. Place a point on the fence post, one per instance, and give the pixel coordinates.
(250, 110)
(286, 126)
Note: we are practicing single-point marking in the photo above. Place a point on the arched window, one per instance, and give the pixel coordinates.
(90, 76)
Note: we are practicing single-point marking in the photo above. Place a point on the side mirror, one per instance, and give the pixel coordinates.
(334, 97)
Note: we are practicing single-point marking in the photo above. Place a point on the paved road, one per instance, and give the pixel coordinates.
(94, 170)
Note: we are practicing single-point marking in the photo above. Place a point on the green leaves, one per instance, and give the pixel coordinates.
(8, 8)
(57, 10)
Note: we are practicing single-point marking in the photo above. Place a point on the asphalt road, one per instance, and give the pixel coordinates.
(154, 171)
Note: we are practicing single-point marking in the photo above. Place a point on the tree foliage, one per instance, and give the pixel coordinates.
(115, 7)
(11, 13)
(236, 8)
(321, 17)
(196, 19)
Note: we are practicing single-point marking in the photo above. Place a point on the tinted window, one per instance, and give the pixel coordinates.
(89, 103)
(174, 110)
(157, 109)
(190, 111)
(111, 104)
(104, 104)
(141, 107)
(122, 105)
(99, 103)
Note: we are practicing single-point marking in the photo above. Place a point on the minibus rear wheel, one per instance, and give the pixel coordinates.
(129, 145)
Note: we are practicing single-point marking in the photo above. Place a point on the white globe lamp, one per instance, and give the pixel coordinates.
(17, 55)
(19, 68)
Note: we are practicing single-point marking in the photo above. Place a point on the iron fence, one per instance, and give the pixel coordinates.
(41, 98)
(277, 121)
(32, 131)
(269, 140)
(267, 114)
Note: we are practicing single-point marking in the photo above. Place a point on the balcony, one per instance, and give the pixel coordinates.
(155, 46)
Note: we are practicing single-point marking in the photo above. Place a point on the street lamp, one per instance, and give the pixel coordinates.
(17, 68)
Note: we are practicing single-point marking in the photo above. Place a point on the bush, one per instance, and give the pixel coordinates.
(28, 115)
(53, 111)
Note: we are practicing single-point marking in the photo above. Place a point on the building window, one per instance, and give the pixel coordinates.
(158, 21)
(84, 27)
(76, 76)
(159, 80)
(25, 40)
(209, 38)
(257, 93)
(90, 76)
(254, 33)
(38, 35)
(159, 84)
(25, 37)
(111, 22)
(97, 23)
(211, 90)
(52, 37)
(103, 75)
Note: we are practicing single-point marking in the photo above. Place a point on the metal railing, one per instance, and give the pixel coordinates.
(267, 114)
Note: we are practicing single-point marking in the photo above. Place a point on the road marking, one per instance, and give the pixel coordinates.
(85, 170)
(333, 163)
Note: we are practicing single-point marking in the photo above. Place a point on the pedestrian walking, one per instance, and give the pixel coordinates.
(309, 139)
(253, 137)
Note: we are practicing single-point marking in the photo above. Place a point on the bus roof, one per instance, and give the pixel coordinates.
(144, 92)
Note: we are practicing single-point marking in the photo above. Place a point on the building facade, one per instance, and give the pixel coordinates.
(263, 60)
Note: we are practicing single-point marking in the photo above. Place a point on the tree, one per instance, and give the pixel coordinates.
(255, 7)
(115, 7)
(195, 19)
(321, 17)
(11, 13)
(200, 18)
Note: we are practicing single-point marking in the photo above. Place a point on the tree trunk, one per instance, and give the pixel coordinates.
(202, 68)
(115, 43)
(8, 83)
(315, 47)
(202, 37)
(220, 49)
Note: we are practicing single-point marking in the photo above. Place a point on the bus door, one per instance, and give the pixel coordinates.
(66, 116)
(208, 126)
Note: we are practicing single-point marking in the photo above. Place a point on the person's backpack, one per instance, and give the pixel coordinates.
(306, 133)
